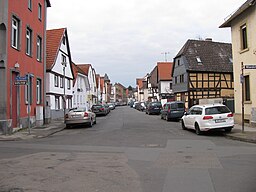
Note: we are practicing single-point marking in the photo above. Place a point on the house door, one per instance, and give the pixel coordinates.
(14, 100)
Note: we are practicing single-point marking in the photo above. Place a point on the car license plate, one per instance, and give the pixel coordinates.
(220, 120)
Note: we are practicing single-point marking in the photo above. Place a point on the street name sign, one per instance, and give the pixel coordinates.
(250, 66)
(19, 78)
(20, 83)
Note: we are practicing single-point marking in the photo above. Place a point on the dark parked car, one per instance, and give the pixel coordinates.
(173, 110)
(107, 108)
(99, 109)
(153, 108)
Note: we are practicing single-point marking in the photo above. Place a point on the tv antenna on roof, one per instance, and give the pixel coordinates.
(165, 55)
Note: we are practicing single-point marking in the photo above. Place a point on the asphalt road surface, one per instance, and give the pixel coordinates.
(128, 151)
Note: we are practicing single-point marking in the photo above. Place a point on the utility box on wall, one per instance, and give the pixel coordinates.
(39, 115)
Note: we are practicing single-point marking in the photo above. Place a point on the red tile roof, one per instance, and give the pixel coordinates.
(53, 42)
(76, 70)
(139, 82)
(97, 80)
(84, 67)
(164, 70)
(101, 83)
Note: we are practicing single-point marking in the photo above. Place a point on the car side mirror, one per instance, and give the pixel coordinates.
(185, 113)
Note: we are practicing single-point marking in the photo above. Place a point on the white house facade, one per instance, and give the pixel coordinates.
(59, 74)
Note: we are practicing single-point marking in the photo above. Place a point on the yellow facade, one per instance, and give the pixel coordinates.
(248, 57)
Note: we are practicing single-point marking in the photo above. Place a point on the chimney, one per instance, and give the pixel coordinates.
(208, 39)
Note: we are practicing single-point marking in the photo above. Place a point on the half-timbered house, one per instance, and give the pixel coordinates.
(203, 69)
(59, 74)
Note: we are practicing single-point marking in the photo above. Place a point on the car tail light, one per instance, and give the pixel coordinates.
(230, 115)
(86, 114)
(207, 117)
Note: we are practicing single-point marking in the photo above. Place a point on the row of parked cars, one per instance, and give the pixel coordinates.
(83, 115)
(201, 118)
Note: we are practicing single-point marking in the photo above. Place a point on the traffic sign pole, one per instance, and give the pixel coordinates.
(242, 68)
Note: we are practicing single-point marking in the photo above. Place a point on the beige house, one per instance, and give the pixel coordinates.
(243, 27)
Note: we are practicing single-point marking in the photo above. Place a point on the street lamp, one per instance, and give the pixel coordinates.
(64, 64)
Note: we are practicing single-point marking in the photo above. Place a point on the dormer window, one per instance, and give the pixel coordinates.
(199, 62)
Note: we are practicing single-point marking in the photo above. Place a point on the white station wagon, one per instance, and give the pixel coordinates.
(208, 117)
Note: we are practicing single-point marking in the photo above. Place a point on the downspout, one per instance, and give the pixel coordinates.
(44, 63)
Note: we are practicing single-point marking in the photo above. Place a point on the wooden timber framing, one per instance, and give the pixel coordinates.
(208, 85)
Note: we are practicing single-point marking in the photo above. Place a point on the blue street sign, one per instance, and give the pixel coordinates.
(19, 78)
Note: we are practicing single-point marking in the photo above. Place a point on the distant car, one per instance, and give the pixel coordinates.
(153, 108)
(99, 109)
(141, 106)
(111, 106)
(79, 116)
(208, 117)
(173, 110)
(107, 108)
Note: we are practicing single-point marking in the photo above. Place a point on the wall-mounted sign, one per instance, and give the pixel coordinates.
(250, 66)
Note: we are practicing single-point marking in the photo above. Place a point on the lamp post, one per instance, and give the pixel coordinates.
(64, 64)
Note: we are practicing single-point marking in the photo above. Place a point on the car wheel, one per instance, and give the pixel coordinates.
(228, 130)
(197, 128)
(183, 125)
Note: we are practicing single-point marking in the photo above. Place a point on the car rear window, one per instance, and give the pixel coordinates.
(156, 104)
(177, 106)
(79, 110)
(216, 110)
(97, 106)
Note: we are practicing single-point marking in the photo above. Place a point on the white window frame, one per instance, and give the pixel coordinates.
(57, 103)
(38, 91)
(69, 84)
(39, 48)
(61, 82)
(28, 41)
(56, 80)
(30, 5)
(39, 11)
(15, 32)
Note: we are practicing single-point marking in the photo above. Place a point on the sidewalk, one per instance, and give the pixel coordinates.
(249, 134)
(36, 132)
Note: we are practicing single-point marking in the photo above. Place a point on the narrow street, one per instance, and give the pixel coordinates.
(128, 151)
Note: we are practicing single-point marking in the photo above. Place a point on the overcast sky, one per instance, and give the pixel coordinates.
(125, 38)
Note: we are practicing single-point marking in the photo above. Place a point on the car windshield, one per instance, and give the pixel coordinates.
(79, 110)
(216, 110)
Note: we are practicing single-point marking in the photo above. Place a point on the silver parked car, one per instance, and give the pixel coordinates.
(79, 116)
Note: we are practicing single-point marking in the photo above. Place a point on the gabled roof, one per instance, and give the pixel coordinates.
(53, 43)
(139, 82)
(101, 84)
(248, 4)
(97, 80)
(76, 70)
(84, 67)
(164, 71)
(214, 56)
